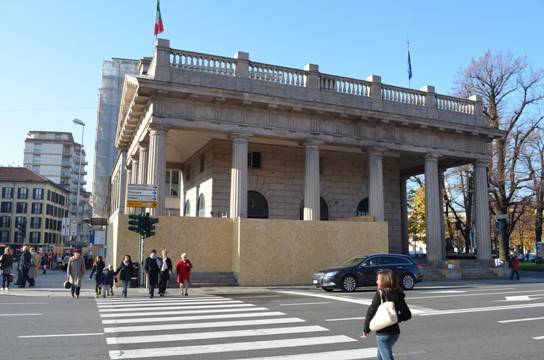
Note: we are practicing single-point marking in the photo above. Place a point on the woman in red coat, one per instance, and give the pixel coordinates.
(183, 270)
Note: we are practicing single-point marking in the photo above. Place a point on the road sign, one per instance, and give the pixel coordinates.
(65, 227)
(73, 226)
(142, 196)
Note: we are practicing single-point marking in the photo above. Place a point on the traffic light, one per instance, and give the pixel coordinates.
(135, 223)
(148, 225)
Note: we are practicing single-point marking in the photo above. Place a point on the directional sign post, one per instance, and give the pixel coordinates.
(142, 196)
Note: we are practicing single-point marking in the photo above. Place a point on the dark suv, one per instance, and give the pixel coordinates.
(361, 271)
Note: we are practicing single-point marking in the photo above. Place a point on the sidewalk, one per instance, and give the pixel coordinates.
(51, 285)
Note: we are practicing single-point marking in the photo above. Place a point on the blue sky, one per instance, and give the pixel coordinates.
(52, 50)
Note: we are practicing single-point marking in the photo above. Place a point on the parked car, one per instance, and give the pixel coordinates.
(361, 271)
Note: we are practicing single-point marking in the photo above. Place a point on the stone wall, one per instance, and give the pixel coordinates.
(344, 183)
(257, 251)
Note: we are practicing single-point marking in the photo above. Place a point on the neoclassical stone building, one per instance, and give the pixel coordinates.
(230, 137)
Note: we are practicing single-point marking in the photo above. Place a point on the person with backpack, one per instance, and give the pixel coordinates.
(388, 296)
(125, 271)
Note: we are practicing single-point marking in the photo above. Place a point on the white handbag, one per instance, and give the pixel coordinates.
(385, 316)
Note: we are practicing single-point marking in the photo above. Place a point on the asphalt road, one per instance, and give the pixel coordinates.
(461, 320)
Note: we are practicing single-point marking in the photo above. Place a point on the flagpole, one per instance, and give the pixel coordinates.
(410, 70)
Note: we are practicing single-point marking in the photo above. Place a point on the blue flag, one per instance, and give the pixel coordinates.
(409, 66)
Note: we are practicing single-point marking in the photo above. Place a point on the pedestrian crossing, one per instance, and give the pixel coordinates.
(215, 327)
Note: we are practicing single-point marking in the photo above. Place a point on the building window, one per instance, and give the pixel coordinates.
(36, 208)
(34, 237)
(188, 173)
(35, 223)
(5, 207)
(187, 209)
(202, 163)
(254, 160)
(201, 206)
(324, 210)
(4, 236)
(22, 193)
(21, 208)
(48, 195)
(362, 208)
(37, 194)
(172, 183)
(7, 193)
(257, 207)
(5, 221)
(20, 233)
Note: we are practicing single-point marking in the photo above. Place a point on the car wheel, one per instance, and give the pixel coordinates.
(327, 289)
(349, 283)
(407, 281)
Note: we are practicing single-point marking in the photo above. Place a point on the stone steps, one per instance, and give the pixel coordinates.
(461, 269)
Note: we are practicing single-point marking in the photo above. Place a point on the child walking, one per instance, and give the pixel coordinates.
(107, 281)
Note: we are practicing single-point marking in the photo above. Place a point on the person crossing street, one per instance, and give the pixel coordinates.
(166, 269)
(152, 268)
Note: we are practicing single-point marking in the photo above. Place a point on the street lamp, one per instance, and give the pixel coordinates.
(82, 124)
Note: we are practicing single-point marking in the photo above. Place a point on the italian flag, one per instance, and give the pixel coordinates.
(159, 27)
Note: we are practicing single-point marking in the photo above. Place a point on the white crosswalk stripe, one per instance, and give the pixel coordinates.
(138, 328)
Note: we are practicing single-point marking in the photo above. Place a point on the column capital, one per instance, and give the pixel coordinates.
(481, 163)
(375, 150)
(432, 157)
(311, 142)
(239, 136)
(158, 129)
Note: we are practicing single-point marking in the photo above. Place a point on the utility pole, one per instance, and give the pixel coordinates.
(82, 124)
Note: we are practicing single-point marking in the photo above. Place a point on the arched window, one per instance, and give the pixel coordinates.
(324, 209)
(187, 210)
(257, 207)
(362, 208)
(200, 206)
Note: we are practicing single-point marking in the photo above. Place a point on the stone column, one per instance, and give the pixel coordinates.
(481, 209)
(375, 184)
(157, 165)
(135, 169)
(238, 177)
(143, 163)
(442, 217)
(404, 217)
(122, 185)
(312, 209)
(432, 209)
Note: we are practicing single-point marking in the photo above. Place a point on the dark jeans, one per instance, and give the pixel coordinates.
(163, 281)
(24, 277)
(125, 287)
(514, 272)
(98, 281)
(75, 290)
(6, 280)
(151, 283)
(385, 346)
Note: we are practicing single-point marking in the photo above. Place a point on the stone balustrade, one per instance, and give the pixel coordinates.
(284, 76)
(194, 61)
(450, 103)
(277, 74)
(344, 85)
(403, 95)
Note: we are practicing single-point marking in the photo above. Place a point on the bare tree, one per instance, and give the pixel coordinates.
(458, 199)
(511, 91)
(535, 165)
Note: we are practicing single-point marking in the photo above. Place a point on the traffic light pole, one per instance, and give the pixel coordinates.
(141, 269)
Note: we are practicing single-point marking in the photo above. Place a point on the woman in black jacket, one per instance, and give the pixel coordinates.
(125, 270)
(388, 290)
(98, 268)
(6, 264)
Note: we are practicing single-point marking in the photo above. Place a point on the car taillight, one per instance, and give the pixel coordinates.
(419, 266)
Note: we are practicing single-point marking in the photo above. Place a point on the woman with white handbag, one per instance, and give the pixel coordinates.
(387, 310)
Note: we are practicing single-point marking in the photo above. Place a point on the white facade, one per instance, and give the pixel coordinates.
(55, 155)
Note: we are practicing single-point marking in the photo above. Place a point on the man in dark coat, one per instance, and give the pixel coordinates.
(25, 262)
(152, 268)
(166, 269)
